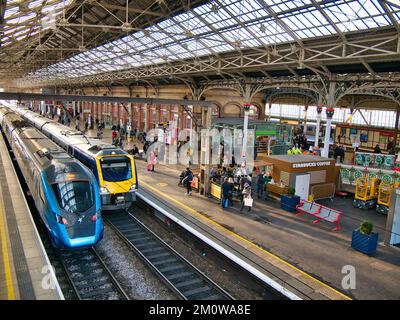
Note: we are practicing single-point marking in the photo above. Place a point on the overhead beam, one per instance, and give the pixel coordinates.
(2, 12)
(130, 9)
(389, 13)
(368, 66)
(43, 97)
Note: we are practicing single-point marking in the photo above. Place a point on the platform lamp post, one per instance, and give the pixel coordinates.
(318, 127)
(246, 108)
(329, 115)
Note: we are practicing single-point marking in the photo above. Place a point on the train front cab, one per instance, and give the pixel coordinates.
(118, 180)
(69, 227)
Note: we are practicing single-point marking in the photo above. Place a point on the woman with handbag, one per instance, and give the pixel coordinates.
(247, 200)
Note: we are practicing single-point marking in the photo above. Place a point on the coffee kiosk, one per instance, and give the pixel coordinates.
(307, 174)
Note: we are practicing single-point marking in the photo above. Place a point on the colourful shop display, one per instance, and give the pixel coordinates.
(374, 160)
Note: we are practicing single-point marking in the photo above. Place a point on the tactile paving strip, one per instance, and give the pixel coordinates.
(25, 286)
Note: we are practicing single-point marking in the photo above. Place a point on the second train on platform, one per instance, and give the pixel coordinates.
(114, 168)
(64, 191)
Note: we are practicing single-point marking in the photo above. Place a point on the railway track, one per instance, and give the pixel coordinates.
(180, 275)
(90, 277)
(82, 275)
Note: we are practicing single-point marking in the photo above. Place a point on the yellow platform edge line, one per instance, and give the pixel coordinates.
(6, 259)
(247, 241)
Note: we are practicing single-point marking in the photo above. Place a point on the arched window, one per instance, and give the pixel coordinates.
(232, 111)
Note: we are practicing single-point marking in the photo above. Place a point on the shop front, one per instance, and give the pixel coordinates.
(307, 174)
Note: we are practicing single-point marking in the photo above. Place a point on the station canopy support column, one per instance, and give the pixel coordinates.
(205, 156)
(246, 108)
(329, 115)
(330, 110)
(305, 118)
(318, 126)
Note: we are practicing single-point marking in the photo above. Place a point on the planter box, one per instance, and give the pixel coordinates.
(364, 243)
(289, 203)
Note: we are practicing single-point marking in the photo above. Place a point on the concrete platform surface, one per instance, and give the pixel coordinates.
(310, 252)
(24, 267)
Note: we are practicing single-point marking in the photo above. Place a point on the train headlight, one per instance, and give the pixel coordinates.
(96, 216)
(62, 220)
(103, 190)
(133, 187)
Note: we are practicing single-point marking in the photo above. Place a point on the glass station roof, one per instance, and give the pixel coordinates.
(222, 26)
(24, 18)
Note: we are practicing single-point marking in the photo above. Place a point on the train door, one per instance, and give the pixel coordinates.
(70, 150)
(37, 194)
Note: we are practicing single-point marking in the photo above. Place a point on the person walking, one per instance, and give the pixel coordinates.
(247, 200)
(153, 161)
(187, 181)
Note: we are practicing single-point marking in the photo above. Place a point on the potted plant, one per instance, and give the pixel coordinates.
(363, 239)
(290, 200)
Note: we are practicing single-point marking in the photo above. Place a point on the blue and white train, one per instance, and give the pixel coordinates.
(65, 192)
(114, 168)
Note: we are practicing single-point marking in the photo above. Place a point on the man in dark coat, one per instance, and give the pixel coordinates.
(226, 190)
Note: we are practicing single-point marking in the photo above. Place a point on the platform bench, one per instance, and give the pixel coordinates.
(320, 212)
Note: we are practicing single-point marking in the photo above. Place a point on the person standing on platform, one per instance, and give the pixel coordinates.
(121, 135)
(86, 124)
(187, 181)
(77, 123)
(226, 189)
(260, 185)
(377, 149)
(114, 135)
(224, 174)
(391, 146)
(247, 200)
(230, 194)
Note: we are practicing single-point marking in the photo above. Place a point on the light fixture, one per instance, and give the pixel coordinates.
(263, 28)
(214, 8)
(237, 44)
(126, 27)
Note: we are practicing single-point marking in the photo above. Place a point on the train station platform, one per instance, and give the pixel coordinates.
(25, 272)
(309, 259)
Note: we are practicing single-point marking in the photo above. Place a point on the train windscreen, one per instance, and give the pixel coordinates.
(116, 169)
(74, 196)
